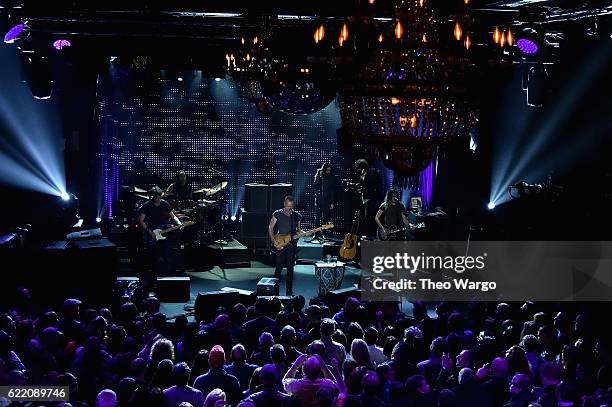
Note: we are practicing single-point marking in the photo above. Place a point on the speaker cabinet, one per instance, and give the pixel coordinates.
(256, 197)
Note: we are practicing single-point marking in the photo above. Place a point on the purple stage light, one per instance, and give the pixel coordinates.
(527, 46)
(13, 33)
(61, 44)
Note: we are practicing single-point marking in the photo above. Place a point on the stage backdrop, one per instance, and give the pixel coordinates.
(151, 127)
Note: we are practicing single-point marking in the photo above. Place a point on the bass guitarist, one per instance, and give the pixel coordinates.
(285, 221)
(156, 213)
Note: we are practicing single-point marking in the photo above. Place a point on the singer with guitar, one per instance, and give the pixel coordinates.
(393, 213)
(155, 214)
(285, 221)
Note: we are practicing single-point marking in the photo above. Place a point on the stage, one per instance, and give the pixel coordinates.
(305, 282)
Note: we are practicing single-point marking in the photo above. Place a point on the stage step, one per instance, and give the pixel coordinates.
(231, 255)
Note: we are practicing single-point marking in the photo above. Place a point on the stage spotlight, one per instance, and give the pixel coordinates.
(98, 220)
(529, 41)
(13, 34)
(61, 44)
(233, 218)
(491, 205)
(217, 79)
(180, 79)
(65, 196)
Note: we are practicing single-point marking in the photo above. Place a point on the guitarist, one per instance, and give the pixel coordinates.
(286, 221)
(394, 214)
(156, 213)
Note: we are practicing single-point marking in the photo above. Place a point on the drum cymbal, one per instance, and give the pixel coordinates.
(140, 190)
(141, 196)
(217, 188)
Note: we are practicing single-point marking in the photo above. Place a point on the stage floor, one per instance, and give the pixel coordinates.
(304, 282)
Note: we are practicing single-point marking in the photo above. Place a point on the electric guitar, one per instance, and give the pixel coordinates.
(285, 240)
(348, 250)
(159, 232)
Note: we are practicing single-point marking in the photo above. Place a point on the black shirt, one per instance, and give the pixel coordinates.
(156, 215)
(369, 185)
(181, 192)
(393, 214)
(283, 222)
(327, 188)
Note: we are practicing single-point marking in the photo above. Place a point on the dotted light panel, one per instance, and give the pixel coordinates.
(150, 128)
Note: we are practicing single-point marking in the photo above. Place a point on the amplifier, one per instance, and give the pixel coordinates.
(268, 286)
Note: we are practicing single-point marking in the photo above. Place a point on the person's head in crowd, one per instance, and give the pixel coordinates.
(238, 314)
(266, 340)
(354, 381)
(386, 371)
(455, 322)
(417, 384)
(200, 364)
(138, 367)
(389, 345)
(438, 346)
(181, 373)
(316, 348)
(499, 368)
(550, 373)
(162, 349)
(261, 306)
(125, 390)
(106, 398)
(517, 360)
(71, 307)
(298, 302)
(186, 404)
(312, 368)
(162, 377)
(371, 336)
(267, 375)
(15, 378)
(288, 336)
(464, 359)
(255, 380)
(360, 352)
(546, 336)
(328, 327)
(370, 383)
(275, 306)
(354, 331)
(520, 383)
(277, 354)
(313, 313)
(216, 357)
(567, 394)
(214, 397)
(238, 353)
(447, 398)
(340, 337)
(466, 376)
(530, 343)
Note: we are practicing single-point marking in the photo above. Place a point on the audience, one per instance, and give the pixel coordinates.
(295, 355)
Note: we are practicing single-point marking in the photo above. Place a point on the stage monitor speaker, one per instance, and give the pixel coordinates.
(254, 224)
(173, 289)
(206, 304)
(278, 192)
(268, 286)
(256, 198)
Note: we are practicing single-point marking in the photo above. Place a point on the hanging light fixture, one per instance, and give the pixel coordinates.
(380, 38)
(255, 41)
(466, 2)
(242, 40)
(399, 30)
(421, 3)
(344, 32)
(502, 40)
(467, 42)
(413, 121)
(371, 1)
(340, 41)
(496, 35)
(457, 31)
(510, 37)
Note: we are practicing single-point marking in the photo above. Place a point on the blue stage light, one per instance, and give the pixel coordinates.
(65, 196)
(491, 205)
(98, 220)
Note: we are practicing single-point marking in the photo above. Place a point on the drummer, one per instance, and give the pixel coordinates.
(180, 189)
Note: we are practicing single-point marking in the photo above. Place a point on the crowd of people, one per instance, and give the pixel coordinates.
(312, 355)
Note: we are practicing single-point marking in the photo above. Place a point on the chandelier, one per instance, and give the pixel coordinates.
(410, 99)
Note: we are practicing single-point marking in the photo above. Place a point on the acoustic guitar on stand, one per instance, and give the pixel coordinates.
(285, 240)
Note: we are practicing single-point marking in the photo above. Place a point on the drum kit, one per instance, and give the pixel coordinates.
(206, 209)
